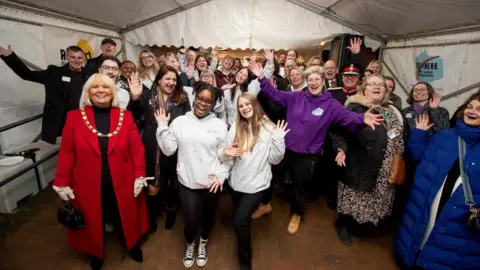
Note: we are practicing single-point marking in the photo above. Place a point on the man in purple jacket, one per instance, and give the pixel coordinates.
(309, 115)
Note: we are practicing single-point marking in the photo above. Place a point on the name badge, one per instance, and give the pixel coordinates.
(65, 79)
(317, 112)
(393, 133)
(408, 115)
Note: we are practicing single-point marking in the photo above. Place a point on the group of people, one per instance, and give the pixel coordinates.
(180, 129)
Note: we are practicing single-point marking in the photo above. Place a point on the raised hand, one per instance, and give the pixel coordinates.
(135, 86)
(214, 184)
(371, 119)
(257, 69)
(281, 127)
(423, 122)
(340, 158)
(228, 86)
(233, 150)
(435, 101)
(161, 117)
(6, 52)
(355, 45)
(268, 55)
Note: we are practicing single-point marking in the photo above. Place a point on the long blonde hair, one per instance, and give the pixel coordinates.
(246, 135)
(143, 72)
(375, 62)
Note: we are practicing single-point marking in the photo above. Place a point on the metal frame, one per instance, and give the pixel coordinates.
(163, 15)
(395, 77)
(450, 43)
(15, 4)
(461, 91)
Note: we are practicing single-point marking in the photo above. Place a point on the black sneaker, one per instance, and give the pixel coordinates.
(96, 263)
(136, 254)
(343, 234)
(171, 218)
(202, 254)
(188, 257)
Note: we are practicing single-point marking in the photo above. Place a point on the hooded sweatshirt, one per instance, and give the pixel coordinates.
(310, 117)
(198, 141)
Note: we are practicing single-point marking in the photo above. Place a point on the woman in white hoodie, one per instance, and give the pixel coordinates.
(198, 136)
(260, 145)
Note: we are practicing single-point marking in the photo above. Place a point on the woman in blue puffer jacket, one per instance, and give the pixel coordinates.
(433, 233)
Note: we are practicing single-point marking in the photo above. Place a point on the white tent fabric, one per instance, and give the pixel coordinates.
(451, 67)
(276, 24)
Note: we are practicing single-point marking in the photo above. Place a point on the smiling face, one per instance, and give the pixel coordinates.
(350, 81)
(420, 93)
(315, 84)
(207, 78)
(75, 60)
(168, 82)
(241, 77)
(390, 85)
(330, 70)
(471, 115)
(108, 49)
(291, 55)
(172, 62)
(201, 64)
(147, 59)
(296, 77)
(203, 103)
(100, 94)
(127, 69)
(375, 90)
(110, 68)
(245, 108)
(227, 63)
(375, 67)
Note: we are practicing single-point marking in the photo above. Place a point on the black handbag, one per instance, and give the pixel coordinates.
(70, 217)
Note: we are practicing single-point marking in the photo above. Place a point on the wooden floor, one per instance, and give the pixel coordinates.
(32, 239)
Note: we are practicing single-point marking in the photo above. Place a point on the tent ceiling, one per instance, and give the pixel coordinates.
(379, 18)
(390, 19)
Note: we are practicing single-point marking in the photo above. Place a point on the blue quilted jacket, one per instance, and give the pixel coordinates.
(451, 245)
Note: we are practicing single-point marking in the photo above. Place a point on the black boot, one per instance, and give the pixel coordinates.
(342, 232)
(171, 218)
(136, 254)
(96, 263)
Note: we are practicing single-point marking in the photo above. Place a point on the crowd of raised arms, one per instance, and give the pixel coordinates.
(154, 135)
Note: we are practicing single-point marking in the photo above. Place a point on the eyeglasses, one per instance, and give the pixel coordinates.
(420, 90)
(107, 68)
(147, 57)
(373, 85)
(206, 76)
(204, 101)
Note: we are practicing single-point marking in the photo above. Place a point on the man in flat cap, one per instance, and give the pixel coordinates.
(109, 46)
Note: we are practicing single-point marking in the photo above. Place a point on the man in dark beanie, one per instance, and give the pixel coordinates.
(109, 46)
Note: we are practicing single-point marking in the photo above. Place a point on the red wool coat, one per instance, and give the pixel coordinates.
(79, 166)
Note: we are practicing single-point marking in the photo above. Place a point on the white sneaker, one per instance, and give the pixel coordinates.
(202, 255)
(188, 257)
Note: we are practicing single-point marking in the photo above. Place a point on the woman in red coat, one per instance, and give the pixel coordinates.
(101, 165)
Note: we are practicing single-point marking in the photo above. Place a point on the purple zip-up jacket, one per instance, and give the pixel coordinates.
(310, 117)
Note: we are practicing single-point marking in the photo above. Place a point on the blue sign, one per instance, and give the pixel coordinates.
(429, 68)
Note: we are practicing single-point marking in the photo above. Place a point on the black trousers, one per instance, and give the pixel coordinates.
(198, 207)
(244, 204)
(301, 168)
(279, 172)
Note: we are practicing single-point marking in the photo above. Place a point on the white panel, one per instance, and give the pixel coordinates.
(32, 17)
(20, 99)
(239, 24)
(459, 69)
(153, 8)
(296, 28)
(222, 23)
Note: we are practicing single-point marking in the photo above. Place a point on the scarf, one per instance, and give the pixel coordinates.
(471, 135)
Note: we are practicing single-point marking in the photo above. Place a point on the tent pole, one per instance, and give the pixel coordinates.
(461, 91)
(396, 78)
(124, 46)
(51, 25)
(434, 45)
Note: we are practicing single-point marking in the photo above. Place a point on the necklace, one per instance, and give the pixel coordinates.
(98, 133)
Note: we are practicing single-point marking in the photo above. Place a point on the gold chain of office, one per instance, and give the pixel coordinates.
(98, 133)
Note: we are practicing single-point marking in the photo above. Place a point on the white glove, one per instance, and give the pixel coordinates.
(140, 183)
(66, 193)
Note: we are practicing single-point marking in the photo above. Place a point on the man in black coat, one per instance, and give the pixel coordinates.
(109, 46)
(63, 87)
